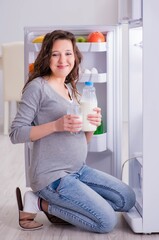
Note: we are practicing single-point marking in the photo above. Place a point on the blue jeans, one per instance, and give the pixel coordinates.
(88, 199)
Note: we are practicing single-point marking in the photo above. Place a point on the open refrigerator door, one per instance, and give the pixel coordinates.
(143, 118)
(135, 118)
(131, 15)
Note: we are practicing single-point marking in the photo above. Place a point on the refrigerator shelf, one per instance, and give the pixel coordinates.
(98, 78)
(83, 47)
(92, 47)
(98, 143)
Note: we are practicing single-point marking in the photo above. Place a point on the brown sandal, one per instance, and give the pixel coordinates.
(26, 220)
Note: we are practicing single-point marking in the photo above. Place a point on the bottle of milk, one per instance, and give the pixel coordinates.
(88, 103)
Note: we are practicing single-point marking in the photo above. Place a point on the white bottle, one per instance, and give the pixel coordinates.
(88, 103)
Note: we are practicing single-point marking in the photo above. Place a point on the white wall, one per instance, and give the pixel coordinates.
(16, 14)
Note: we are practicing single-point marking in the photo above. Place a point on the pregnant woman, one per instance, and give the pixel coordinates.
(63, 186)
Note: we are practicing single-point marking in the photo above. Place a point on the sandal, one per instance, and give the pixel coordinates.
(26, 220)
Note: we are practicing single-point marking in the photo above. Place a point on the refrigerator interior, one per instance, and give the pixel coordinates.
(102, 151)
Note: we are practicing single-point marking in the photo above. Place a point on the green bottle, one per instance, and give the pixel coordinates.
(100, 129)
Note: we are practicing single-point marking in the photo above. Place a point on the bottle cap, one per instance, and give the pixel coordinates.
(89, 83)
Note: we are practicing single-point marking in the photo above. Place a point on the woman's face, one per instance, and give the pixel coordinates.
(62, 58)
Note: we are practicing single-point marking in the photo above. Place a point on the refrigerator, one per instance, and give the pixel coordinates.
(126, 67)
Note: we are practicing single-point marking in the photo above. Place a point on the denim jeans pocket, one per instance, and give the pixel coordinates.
(54, 185)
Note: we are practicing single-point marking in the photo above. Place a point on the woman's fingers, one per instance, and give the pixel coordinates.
(72, 123)
(95, 118)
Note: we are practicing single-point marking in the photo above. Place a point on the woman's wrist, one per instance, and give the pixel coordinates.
(53, 126)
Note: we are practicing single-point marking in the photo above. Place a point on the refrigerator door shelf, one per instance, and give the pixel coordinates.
(98, 143)
(98, 78)
(134, 219)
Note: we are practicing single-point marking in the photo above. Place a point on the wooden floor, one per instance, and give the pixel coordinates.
(12, 175)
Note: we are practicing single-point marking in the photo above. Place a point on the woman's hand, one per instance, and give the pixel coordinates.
(70, 123)
(96, 117)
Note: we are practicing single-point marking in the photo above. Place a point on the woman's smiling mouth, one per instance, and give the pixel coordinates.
(62, 66)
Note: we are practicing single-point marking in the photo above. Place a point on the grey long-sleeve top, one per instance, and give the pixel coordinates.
(57, 154)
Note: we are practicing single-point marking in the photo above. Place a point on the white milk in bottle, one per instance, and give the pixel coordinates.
(88, 103)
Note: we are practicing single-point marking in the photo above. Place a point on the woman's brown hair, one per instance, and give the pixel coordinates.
(42, 62)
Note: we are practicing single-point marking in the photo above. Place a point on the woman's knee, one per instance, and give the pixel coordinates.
(129, 199)
(107, 224)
